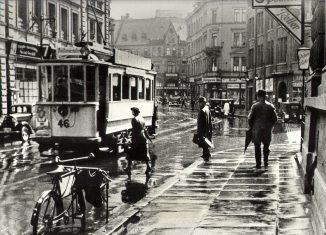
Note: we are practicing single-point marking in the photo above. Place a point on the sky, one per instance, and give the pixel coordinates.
(139, 9)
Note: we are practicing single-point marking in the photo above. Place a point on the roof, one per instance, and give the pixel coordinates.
(141, 31)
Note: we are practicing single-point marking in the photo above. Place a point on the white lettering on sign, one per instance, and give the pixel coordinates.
(286, 19)
(275, 3)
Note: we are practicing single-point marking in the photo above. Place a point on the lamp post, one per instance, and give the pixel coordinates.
(303, 62)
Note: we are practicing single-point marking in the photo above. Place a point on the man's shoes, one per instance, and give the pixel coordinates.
(258, 167)
(206, 158)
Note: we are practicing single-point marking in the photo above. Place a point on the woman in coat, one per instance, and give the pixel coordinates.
(139, 137)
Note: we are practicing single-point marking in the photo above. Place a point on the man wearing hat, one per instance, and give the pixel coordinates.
(204, 127)
(262, 118)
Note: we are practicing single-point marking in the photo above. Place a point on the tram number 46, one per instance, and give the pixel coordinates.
(64, 123)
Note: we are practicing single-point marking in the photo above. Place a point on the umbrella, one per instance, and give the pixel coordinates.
(248, 139)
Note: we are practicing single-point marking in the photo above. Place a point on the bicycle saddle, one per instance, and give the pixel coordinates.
(60, 170)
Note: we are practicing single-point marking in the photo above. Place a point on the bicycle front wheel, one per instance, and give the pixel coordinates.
(44, 215)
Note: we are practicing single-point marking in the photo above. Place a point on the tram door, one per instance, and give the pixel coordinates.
(103, 77)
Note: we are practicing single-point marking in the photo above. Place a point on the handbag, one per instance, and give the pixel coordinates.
(195, 139)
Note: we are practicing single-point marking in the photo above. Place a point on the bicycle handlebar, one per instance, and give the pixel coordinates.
(90, 156)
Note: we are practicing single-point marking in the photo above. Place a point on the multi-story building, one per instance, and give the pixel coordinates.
(314, 148)
(217, 49)
(26, 26)
(272, 59)
(163, 40)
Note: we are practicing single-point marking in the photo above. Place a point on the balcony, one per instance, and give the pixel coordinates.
(214, 51)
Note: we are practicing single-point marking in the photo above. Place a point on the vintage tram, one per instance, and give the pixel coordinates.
(85, 96)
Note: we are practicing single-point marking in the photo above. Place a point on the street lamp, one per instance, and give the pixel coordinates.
(303, 62)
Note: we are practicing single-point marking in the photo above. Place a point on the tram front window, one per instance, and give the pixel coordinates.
(60, 83)
(76, 83)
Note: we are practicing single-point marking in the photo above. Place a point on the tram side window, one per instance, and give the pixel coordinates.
(141, 90)
(45, 84)
(90, 83)
(125, 87)
(60, 83)
(76, 83)
(116, 87)
(133, 87)
(148, 89)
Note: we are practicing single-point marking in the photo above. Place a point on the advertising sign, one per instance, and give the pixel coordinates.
(288, 20)
(275, 3)
(26, 49)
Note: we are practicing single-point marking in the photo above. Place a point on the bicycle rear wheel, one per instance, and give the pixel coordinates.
(45, 211)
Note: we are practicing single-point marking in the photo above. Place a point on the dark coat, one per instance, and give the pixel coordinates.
(262, 118)
(138, 149)
(204, 123)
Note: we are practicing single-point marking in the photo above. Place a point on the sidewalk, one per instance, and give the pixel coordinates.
(224, 196)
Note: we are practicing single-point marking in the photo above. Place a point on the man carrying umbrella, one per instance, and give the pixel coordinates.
(262, 118)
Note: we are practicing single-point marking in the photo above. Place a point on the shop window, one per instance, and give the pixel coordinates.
(76, 83)
(27, 85)
(133, 87)
(64, 24)
(116, 87)
(148, 89)
(141, 88)
(125, 87)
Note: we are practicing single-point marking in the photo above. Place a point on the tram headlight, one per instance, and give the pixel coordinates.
(84, 51)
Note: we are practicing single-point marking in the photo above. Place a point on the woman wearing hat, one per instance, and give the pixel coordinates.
(139, 136)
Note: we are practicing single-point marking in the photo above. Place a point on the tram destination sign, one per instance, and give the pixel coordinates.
(275, 3)
(128, 59)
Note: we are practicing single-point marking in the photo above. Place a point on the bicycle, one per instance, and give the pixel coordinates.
(49, 212)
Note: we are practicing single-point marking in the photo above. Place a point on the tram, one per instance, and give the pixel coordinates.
(85, 96)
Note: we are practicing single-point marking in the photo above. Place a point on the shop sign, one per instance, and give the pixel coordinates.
(275, 3)
(171, 75)
(211, 79)
(233, 86)
(297, 84)
(26, 49)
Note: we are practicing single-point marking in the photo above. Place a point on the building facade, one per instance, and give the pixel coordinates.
(30, 30)
(313, 148)
(272, 60)
(162, 39)
(217, 49)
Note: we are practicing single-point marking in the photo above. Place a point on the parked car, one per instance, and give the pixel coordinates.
(217, 105)
(175, 102)
(290, 112)
(12, 124)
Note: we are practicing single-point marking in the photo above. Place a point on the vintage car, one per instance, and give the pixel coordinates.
(290, 112)
(175, 101)
(12, 124)
(217, 106)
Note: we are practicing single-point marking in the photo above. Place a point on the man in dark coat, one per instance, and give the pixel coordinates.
(262, 118)
(204, 127)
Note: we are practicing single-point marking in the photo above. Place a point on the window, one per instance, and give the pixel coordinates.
(174, 52)
(99, 32)
(282, 49)
(75, 27)
(143, 36)
(168, 52)
(243, 38)
(52, 15)
(141, 88)
(22, 14)
(159, 51)
(116, 87)
(251, 25)
(240, 15)
(251, 58)
(260, 23)
(214, 16)
(236, 39)
(236, 64)
(124, 37)
(214, 40)
(38, 11)
(134, 36)
(171, 67)
(243, 64)
(125, 87)
(64, 24)
(60, 82)
(146, 53)
(260, 54)
(133, 86)
(270, 52)
(27, 84)
(76, 83)
(92, 29)
(182, 52)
